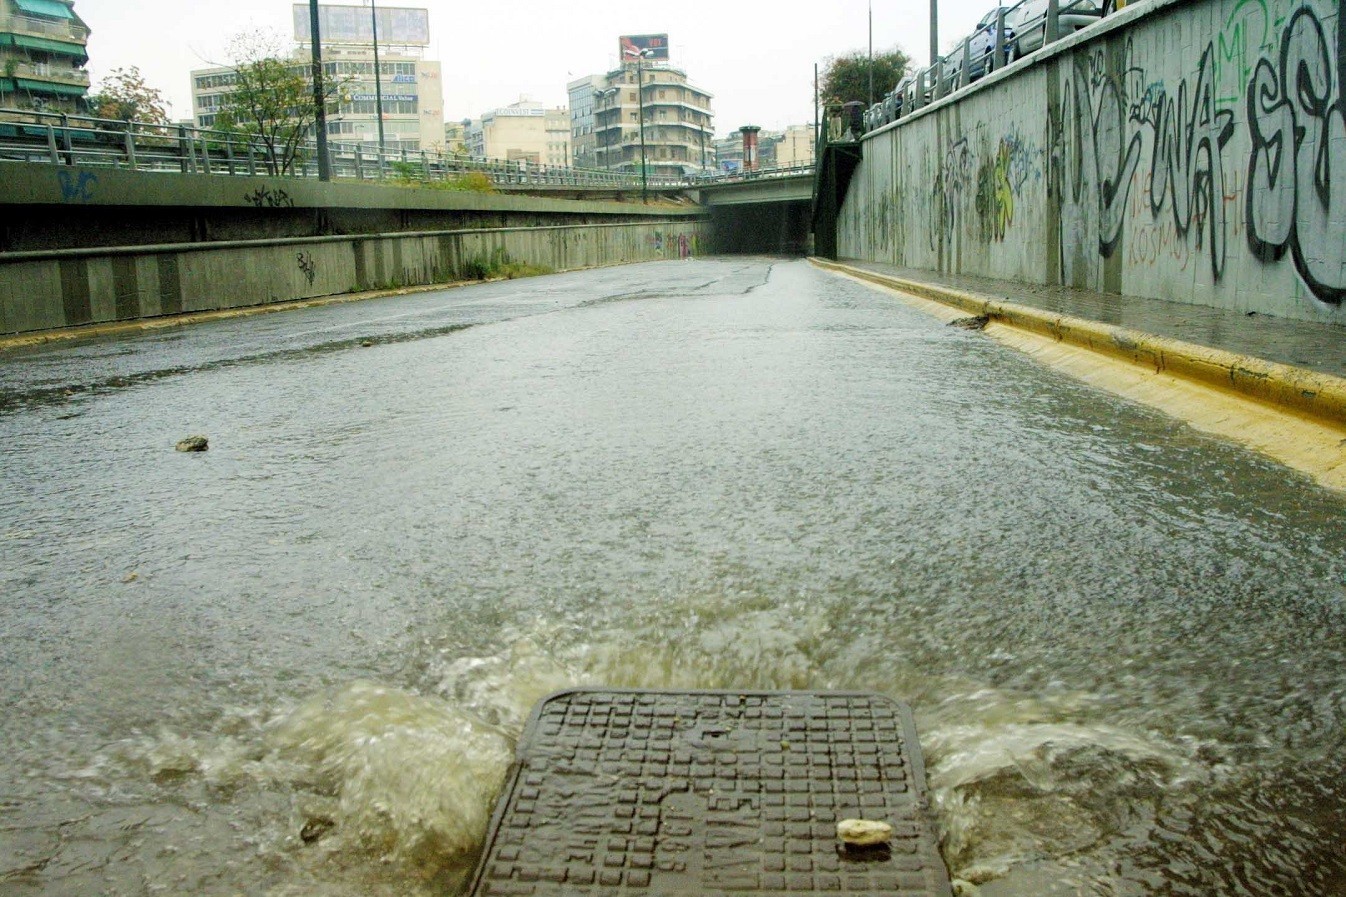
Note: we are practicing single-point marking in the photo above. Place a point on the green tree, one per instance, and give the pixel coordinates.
(123, 95)
(271, 100)
(846, 78)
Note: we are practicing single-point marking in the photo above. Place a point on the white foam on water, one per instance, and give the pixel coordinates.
(412, 778)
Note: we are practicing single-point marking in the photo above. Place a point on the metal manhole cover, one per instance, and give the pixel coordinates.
(618, 792)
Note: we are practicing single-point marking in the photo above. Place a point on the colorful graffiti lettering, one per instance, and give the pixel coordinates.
(1000, 178)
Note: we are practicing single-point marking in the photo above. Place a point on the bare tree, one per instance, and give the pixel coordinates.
(271, 99)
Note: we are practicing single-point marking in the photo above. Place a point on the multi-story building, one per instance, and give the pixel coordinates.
(583, 146)
(455, 136)
(408, 91)
(729, 152)
(788, 148)
(524, 131)
(678, 121)
(784, 149)
(42, 52)
(649, 101)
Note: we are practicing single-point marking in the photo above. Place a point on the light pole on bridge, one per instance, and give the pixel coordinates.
(319, 98)
(640, 56)
(603, 96)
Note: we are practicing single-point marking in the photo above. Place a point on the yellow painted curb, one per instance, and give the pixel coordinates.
(1311, 393)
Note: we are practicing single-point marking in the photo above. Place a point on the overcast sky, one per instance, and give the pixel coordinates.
(756, 59)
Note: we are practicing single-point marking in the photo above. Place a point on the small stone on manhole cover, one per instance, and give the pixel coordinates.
(864, 832)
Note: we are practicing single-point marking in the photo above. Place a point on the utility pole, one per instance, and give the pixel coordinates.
(319, 95)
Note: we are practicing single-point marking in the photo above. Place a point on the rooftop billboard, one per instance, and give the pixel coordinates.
(632, 46)
(400, 26)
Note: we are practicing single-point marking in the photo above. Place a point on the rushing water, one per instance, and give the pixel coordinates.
(296, 664)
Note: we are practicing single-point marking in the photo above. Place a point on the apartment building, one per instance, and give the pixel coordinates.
(678, 121)
(42, 55)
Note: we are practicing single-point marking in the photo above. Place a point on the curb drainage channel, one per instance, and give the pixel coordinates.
(1310, 393)
(711, 792)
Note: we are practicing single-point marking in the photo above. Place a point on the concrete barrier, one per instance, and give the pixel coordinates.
(1187, 150)
(72, 287)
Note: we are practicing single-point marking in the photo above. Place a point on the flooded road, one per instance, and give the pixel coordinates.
(296, 664)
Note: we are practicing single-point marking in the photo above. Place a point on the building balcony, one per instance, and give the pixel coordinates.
(41, 71)
(55, 30)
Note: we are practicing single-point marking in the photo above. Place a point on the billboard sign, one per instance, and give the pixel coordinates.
(400, 26)
(632, 46)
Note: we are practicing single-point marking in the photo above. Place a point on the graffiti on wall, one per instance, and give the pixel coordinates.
(1297, 128)
(76, 186)
(308, 266)
(1249, 30)
(1108, 119)
(1199, 196)
(952, 179)
(266, 198)
(984, 180)
(1001, 176)
(1188, 136)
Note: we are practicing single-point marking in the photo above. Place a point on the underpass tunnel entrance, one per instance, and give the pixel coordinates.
(768, 227)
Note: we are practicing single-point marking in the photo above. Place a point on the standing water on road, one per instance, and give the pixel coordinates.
(297, 663)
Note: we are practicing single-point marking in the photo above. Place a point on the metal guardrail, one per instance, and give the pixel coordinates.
(775, 171)
(63, 139)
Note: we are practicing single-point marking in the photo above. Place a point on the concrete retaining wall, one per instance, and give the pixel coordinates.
(64, 288)
(45, 206)
(1190, 150)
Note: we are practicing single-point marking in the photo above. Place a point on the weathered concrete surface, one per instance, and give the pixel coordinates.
(763, 189)
(1192, 150)
(57, 207)
(48, 290)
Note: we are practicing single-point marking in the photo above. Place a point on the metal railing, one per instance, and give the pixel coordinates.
(47, 72)
(48, 28)
(995, 44)
(64, 139)
(772, 171)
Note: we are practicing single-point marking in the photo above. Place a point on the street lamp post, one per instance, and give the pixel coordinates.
(603, 96)
(378, 78)
(641, 56)
(319, 100)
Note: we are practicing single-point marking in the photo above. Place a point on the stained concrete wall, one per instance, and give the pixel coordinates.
(42, 290)
(45, 206)
(1189, 150)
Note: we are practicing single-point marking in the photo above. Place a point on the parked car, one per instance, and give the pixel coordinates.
(1026, 29)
